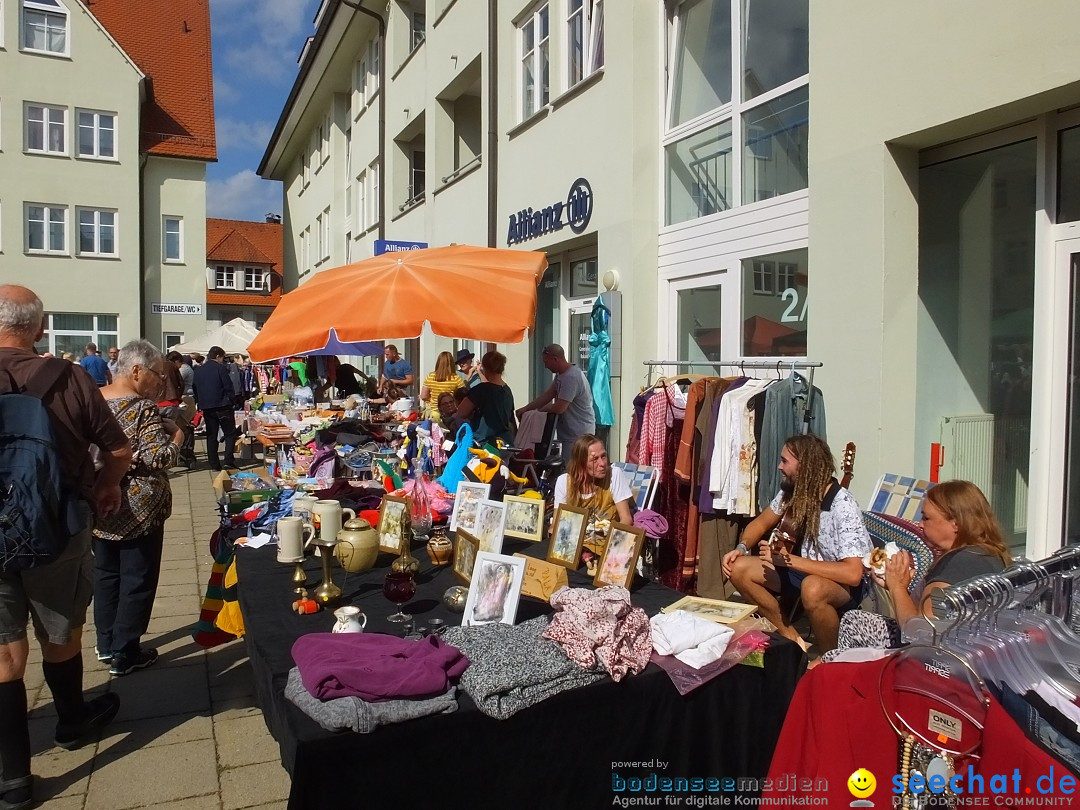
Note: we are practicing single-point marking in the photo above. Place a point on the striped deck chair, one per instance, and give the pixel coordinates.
(642, 478)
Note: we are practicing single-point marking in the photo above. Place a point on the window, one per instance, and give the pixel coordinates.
(764, 273)
(97, 232)
(302, 238)
(170, 339)
(97, 134)
(305, 169)
(324, 235)
(774, 318)
(418, 25)
(584, 39)
(44, 26)
(737, 116)
(416, 174)
(45, 129)
(373, 197)
(254, 279)
(534, 62)
(698, 323)
(224, 277)
(46, 229)
(373, 53)
(324, 140)
(172, 239)
(583, 277)
(361, 201)
(71, 331)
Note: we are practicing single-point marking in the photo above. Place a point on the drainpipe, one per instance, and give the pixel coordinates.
(493, 125)
(382, 108)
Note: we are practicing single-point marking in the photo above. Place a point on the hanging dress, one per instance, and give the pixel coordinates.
(600, 365)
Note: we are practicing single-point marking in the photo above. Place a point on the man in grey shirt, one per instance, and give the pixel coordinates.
(569, 395)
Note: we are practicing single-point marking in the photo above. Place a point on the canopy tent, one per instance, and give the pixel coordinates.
(234, 337)
(469, 293)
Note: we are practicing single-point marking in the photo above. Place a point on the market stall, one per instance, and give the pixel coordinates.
(563, 752)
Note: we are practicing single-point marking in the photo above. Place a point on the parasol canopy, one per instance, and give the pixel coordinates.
(234, 337)
(463, 292)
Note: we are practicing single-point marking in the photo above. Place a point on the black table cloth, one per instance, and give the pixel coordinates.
(568, 751)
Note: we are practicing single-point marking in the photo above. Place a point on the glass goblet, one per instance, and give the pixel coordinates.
(399, 587)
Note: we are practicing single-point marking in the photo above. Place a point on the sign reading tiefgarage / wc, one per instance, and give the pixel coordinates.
(575, 212)
(175, 309)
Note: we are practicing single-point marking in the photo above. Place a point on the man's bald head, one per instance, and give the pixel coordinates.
(21, 316)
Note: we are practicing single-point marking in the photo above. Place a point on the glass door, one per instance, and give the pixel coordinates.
(1072, 424)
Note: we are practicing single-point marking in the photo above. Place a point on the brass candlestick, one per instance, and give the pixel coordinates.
(327, 591)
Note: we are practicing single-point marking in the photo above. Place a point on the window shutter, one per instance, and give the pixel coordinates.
(211, 278)
(238, 279)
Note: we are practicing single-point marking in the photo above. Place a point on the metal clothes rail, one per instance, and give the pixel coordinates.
(772, 365)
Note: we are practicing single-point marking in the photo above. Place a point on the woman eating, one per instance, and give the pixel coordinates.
(591, 482)
(128, 543)
(957, 520)
(443, 380)
(489, 406)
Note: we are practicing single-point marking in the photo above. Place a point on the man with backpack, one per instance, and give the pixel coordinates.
(50, 414)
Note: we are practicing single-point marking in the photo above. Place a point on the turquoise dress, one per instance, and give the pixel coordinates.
(600, 365)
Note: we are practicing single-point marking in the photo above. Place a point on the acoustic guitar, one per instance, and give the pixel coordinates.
(787, 535)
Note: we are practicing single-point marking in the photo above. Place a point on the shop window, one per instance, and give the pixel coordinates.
(774, 318)
(698, 325)
(776, 136)
(976, 323)
(699, 179)
(583, 275)
(71, 331)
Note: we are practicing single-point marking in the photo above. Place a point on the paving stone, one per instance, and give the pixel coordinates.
(185, 576)
(160, 691)
(189, 590)
(175, 772)
(244, 741)
(253, 785)
(147, 732)
(62, 773)
(177, 606)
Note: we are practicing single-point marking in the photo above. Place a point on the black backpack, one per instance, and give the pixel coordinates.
(38, 512)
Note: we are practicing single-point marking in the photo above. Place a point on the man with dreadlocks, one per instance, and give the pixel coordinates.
(824, 565)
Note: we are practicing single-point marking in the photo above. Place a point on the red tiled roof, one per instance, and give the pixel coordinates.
(170, 42)
(234, 240)
(244, 299)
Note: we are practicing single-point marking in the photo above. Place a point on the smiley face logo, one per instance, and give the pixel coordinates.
(861, 783)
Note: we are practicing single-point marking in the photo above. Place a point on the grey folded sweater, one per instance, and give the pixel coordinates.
(360, 715)
(512, 667)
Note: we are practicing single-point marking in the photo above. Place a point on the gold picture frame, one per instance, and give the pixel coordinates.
(567, 536)
(715, 610)
(619, 563)
(393, 514)
(524, 518)
(466, 547)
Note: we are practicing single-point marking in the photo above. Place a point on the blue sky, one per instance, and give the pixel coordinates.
(256, 44)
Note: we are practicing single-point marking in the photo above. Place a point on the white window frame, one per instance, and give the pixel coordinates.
(360, 209)
(417, 36)
(254, 279)
(102, 337)
(224, 277)
(764, 277)
(373, 197)
(374, 53)
(589, 16)
(97, 217)
(324, 236)
(165, 232)
(97, 130)
(541, 47)
(47, 124)
(415, 193)
(49, 10)
(48, 219)
(324, 141)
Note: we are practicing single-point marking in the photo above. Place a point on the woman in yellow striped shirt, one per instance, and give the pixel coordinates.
(442, 379)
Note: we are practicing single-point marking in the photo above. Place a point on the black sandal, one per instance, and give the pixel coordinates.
(22, 789)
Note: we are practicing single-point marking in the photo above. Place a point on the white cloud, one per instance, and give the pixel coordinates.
(243, 195)
(243, 135)
(261, 38)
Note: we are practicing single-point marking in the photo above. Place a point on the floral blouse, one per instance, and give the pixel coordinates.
(145, 492)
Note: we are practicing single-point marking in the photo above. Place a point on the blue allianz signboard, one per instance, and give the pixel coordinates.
(390, 246)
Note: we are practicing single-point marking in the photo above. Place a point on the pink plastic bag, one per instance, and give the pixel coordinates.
(747, 639)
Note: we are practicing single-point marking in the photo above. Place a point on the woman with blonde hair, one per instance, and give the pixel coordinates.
(443, 380)
(958, 521)
(590, 482)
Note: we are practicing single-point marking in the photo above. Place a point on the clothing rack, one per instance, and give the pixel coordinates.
(777, 365)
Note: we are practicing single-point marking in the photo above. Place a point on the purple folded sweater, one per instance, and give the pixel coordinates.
(374, 666)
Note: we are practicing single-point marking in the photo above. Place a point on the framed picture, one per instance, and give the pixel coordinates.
(392, 518)
(715, 610)
(466, 503)
(567, 535)
(490, 522)
(495, 589)
(524, 517)
(465, 550)
(620, 556)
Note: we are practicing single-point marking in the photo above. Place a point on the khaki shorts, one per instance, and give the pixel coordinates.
(55, 595)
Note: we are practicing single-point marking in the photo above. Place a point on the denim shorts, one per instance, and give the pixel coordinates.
(54, 595)
(791, 582)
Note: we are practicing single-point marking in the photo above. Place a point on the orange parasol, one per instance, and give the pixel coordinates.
(470, 293)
